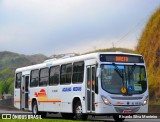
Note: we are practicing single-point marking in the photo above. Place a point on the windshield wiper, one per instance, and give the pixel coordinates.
(120, 73)
(132, 69)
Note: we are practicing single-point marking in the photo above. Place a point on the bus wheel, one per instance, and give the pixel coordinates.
(34, 108)
(67, 115)
(78, 112)
(117, 119)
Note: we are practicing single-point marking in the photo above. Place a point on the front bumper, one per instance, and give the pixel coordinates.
(111, 109)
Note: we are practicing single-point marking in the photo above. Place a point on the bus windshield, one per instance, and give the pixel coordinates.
(132, 77)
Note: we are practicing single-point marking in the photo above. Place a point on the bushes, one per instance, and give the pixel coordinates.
(6, 81)
(149, 47)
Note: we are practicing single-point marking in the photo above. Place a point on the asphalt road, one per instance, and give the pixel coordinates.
(96, 118)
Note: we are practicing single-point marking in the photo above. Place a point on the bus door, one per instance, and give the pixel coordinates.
(24, 92)
(91, 77)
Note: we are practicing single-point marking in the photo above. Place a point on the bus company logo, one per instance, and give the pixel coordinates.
(69, 89)
(77, 88)
(42, 93)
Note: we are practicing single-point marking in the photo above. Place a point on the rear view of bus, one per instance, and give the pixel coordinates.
(123, 84)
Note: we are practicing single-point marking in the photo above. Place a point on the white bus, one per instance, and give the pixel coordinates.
(103, 83)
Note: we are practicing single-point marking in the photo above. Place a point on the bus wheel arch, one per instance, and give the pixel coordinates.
(77, 109)
(75, 100)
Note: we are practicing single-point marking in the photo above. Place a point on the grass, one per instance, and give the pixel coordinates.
(154, 102)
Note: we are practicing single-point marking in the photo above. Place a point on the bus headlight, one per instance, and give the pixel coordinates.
(105, 100)
(145, 101)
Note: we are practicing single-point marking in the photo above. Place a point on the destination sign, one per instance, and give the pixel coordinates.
(121, 58)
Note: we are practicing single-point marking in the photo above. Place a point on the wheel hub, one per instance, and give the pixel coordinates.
(35, 109)
(79, 109)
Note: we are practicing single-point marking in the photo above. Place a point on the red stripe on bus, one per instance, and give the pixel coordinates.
(42, 100)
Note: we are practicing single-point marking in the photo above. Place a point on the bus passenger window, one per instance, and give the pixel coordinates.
(66, 74)
(44, 77)
(18, 80)
(78, 72)
(54, 75)
(34, 78)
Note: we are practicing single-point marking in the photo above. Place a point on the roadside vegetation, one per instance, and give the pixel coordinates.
(149, 47)
(6, 81)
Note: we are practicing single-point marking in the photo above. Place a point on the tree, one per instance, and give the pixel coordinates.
(5, 87)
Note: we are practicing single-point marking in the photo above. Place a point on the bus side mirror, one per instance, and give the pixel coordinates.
(98, 73)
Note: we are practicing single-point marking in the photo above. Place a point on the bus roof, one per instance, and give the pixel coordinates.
(54, 62)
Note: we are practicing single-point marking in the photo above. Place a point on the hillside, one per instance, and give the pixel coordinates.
(99, 50)
(9, 61)
(149, 47)
(114, 50)
(14, 60)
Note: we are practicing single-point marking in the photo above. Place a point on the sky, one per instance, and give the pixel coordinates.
(72, 26)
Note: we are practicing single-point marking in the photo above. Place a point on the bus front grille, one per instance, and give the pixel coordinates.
(127, 98)
(121, 109)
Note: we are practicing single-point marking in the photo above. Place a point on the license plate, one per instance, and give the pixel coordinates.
(127, 111)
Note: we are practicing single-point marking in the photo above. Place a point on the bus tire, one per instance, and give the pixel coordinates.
(34, 108)
(78, 112)
(67, 115)
(36, 112)
(117, 119)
